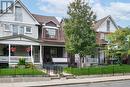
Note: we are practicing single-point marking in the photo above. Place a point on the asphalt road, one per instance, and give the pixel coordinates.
(125, 83)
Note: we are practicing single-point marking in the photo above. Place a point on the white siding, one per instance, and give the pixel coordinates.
(28, 20)
(103, 27)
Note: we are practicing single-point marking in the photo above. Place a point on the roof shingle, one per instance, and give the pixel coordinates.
(45, 19)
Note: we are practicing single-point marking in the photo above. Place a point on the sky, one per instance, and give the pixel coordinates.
(118, 9)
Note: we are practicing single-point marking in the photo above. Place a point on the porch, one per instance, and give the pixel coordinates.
(55, 55)
(11, 53)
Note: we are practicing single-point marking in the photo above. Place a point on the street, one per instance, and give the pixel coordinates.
(125, 83)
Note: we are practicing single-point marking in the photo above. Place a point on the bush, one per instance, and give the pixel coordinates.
(22, 61)
(110, 69)
(29, 65)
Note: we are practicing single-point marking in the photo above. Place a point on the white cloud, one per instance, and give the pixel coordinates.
(56, 7)
(118, 10)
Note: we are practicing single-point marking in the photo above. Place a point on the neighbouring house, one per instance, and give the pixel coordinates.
(19, 36)
(53, 43)
(103, 27)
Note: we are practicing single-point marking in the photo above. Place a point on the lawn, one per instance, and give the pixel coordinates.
(109, 69)
(17, 71)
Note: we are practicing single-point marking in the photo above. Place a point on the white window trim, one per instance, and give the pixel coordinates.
(19, 29)
(50, 27)
(102, 36)
(26, 30)
(9, 28)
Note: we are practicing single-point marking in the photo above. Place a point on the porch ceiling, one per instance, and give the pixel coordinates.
(19, 39)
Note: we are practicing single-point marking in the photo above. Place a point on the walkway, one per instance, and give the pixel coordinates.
(65, 81)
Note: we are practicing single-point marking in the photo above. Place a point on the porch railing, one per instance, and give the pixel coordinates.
(60, 60)
(15, 59)
(4, 59)
(92, 60)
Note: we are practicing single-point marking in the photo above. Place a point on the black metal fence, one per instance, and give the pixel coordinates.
(101, 70)
(31, 72)
(48, 70)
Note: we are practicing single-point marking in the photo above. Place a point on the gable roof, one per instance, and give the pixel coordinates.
(101, 21)
(19, 36)
(45, 19)
(19, 1)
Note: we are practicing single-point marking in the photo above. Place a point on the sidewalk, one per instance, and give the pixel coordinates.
(65, 81)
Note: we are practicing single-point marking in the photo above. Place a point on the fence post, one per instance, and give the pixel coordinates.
(113, 69)
(88, 70)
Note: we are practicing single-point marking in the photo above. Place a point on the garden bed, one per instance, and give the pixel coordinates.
(110, 69)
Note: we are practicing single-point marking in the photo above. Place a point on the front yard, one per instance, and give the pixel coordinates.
(17, 71)
(95, 70)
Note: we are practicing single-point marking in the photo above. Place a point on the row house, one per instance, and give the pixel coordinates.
(36, 38)
(103, 27)
(53, 43)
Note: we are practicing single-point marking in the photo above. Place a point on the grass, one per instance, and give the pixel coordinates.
(17, 71)
(110, 69)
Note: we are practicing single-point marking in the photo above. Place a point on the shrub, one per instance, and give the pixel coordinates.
(22, 61)
(29, 65)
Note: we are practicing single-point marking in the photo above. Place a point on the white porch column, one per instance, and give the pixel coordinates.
(41, 60)
(9, 53)
(32, 54)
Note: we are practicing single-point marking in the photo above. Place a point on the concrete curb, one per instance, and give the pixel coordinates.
(66, 82)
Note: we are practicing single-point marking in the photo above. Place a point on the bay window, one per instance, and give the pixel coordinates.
(51, 33)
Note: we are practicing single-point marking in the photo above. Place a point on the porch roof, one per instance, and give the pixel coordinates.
(20, 36)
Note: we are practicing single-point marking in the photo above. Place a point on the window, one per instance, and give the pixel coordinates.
(108, 25)
(102, 36)
(18, 13)
(7, 27)
(21, 30)
(51, 33)
(28, 29)
(15, 29)
(53, 52)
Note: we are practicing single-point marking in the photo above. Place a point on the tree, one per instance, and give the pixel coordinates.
(79, 33)
(119, 43)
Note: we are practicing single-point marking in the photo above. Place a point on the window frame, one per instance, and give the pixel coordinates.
(102, 35)
(49, 36)
(9, 26)
(19, 30)
(27, 31)
(108, 25)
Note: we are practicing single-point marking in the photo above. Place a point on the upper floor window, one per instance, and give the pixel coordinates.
(28, 29)
(7, 27)
(15, 29)
(21, 30)
(108, 25)
(102, 36)
(18, 13)
(51, 33)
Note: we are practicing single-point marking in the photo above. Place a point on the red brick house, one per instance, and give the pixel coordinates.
(53, 43)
